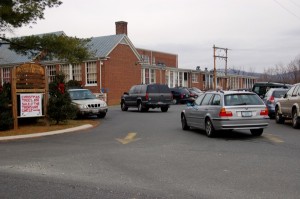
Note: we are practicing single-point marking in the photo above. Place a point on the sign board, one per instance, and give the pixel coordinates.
(31, 105)
(29, 91)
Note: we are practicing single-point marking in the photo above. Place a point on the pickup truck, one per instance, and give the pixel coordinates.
(287, 108)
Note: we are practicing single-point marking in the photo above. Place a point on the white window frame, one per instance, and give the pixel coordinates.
(5, 75)
(194, 78)
(152, 75)
(66, 69)
(76, 72)
(51, 72)
(91, 73)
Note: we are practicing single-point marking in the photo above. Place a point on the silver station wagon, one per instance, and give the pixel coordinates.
(226, 110)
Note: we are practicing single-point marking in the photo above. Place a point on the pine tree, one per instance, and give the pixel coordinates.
(60, 107)
(6, 118)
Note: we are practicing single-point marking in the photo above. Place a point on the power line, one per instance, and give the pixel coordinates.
(295, 3)
(286, 9)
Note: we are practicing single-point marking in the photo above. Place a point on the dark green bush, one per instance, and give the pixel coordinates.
(60, 107)
(6, 118)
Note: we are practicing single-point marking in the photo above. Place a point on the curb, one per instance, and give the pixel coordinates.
(86, 126)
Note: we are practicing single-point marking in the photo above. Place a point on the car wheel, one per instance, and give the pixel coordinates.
(209, 129)
(278, 117)
(184, 123)
(295, 120)
(256, 132)
(175, 101)
(123, 107)
(140, 108)
(164, 109)
(101, 115)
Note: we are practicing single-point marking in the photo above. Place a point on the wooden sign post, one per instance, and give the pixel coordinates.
(30, 83)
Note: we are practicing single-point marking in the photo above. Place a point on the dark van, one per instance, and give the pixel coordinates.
(261, 88)
(145, 96)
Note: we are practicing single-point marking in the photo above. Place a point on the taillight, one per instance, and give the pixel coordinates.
(147, 96)
(264, 112)
(224, 113)
(271, 99)
(181, 96)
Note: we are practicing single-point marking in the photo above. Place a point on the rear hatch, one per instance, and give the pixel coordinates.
(159, 94)
(245, 106)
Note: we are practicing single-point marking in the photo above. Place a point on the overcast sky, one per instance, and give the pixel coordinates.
(258, 33)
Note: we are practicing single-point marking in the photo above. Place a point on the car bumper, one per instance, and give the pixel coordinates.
(232, 124)
(93, 111)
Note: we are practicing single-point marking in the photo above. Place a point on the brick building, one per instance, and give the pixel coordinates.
(118, 65)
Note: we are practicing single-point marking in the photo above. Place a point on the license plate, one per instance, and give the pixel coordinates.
(246, 114)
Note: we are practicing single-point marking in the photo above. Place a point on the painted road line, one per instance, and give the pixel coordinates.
(273, 138)
(130, 137)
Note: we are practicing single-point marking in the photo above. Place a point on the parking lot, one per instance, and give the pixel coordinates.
(147, 155)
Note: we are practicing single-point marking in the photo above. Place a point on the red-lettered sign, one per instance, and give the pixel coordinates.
(31, 105)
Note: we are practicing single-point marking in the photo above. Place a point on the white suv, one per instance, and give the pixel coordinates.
(88, 103)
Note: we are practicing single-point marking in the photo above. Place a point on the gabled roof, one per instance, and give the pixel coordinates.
(102, 46)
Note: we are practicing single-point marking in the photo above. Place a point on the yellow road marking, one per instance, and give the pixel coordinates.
(273, 138)
(130, 137)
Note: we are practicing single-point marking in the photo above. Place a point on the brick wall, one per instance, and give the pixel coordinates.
(170, 60)
(120, 72)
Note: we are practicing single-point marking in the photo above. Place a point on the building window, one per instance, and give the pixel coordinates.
(194, 78)
(65, 69)
(167, 77)
(76, 72)
(91, 73)
(51, 72)
(153, 76)
(5, 75)
(153, 61)
(146, 75)
(171, 79)
(145, 59)
(180, 79)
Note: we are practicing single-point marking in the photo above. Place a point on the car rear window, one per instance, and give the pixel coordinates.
(158, 89)
(279, 94)
(242, 99)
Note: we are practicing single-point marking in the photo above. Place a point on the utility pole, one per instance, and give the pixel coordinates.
(215, 68)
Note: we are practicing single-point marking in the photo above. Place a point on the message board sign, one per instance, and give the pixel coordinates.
(31, 105)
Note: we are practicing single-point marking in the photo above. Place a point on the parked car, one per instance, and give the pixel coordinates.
(271, 98)
(226, 110)
(260, 88)
(87, 103)
(195, 92)
(181, 95)
(287, 107)
(147, 96)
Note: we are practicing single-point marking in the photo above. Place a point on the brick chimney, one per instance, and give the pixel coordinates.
(121, 27)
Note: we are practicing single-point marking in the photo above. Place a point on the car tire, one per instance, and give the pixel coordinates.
(278, 117)
(209, 129)
(295, 120)
(123, 106)
(184, 124)
(256, 132)
(175, 101)
(101, 115)
(140, 107)
(164, 109)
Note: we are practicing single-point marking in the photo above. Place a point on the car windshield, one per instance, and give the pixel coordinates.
(279, 94)
(81, 95)
(196, 90)
(242, 99)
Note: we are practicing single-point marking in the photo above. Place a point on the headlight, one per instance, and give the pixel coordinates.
(83, 106)
(103, 104)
